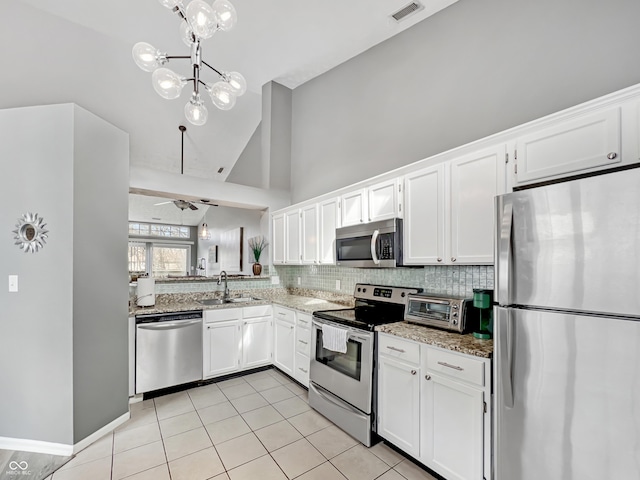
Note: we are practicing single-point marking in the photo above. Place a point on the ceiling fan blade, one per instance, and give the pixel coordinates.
(192, 206)
(162, 203)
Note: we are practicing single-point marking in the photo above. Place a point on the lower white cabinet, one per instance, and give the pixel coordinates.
(303, 348)
(236, 339)
(434, 404)
(222, 347)
(283, 344)
(399, 404)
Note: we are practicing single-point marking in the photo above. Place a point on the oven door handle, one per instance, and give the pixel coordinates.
(374, 253)
(318, 390)
(351, 332)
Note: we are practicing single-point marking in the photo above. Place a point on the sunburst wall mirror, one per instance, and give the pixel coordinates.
(30, 234)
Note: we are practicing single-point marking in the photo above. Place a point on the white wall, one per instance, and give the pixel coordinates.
(475, 68)
(222, 219)
(63, 335)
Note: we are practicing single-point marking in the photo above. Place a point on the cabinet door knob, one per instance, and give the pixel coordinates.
(427, 377)
(291, 327)
(453, 259)
(612, 155)
(413, 372)
(439, 259)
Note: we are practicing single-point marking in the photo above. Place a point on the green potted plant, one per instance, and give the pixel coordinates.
(257, 245)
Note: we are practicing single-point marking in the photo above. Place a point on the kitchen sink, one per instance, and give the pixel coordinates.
(220, 301)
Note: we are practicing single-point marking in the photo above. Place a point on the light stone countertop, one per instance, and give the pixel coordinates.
(456, 342)
(304, 300)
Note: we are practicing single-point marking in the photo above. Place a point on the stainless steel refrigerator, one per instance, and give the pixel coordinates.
(567, 331)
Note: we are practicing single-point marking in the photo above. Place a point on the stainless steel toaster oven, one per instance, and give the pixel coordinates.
(447, 312)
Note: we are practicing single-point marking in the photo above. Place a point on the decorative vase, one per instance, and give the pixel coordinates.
(257, 269)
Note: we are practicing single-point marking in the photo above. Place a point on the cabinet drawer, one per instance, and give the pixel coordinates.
(222, 314)
(461, 367)
(303, 320)
(257, 311)
(396, 347)
(303, 341)
(284, 314)
(301, 372)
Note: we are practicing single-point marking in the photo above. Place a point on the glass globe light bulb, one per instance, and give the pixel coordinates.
(195, 111)
(202, 19)
(167, 83)
(170, 3)
(237, 83)
(222, 95)
(146, 56)
(186, 33)
(226, 15)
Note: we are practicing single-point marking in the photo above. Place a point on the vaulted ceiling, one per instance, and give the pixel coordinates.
(80, 51)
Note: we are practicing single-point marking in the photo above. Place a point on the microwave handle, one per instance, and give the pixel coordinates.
(374, 240)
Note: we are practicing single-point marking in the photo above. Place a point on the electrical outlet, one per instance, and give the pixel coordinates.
(275, 280)
(337, 284)
(299, 280)
(13, 283)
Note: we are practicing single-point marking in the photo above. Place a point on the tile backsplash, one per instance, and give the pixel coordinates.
(439, 279)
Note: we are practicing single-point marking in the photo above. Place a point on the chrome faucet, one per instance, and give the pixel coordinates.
(226, 287)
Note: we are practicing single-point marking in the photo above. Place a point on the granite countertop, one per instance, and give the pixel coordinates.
(467, 343)
(307, 301)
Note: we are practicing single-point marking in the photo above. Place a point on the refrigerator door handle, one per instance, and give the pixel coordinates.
(504, 207)
(506, 354)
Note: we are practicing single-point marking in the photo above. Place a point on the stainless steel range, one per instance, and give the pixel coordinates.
(343, 381)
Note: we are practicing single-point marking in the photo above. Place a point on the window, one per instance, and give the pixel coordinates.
(157, 230)
(137, 258)
(170, 260)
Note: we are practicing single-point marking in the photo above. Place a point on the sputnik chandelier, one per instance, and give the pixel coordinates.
(200, 21)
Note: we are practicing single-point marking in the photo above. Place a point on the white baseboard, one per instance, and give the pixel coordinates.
(85, 442)
(65, 450)
(36, 446)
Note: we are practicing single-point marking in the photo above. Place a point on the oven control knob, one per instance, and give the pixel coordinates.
(402, 294)
(455, 307)
(455, 314)
(455, 322)
(359, 289)
(364, 290)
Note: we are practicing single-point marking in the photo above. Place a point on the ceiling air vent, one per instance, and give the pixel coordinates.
(407, 10)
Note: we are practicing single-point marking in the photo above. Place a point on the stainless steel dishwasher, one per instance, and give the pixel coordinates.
(168, 349)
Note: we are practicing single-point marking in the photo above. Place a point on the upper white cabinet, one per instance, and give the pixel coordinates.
(353, 207)
(569, 147)
(475, 180)
(309, 233)
(424, 196)
(449, 209)
(292, 237)
(383, 200)
(278, 240)
(327, 224)
(371, 204)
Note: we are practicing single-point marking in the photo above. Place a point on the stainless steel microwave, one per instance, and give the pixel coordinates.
(375, 244)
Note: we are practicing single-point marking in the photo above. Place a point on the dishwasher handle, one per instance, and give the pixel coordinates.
(167, 325)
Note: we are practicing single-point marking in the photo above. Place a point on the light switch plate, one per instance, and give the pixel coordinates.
(299, 280)
(13, 283)
(275, 280)
(337, 284)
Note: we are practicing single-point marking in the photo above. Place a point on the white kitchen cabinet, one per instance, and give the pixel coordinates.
(383, 200)
(327, 224)
(424, 216)
(292, 237)
(278, 240)
(309, 234)
(475, 180)
(256, 341)
(399, 403)
(455, 414)
(353, 207)
(284, 339)
(584, 143)
(449, 209)
(302, 347)
(222, 347)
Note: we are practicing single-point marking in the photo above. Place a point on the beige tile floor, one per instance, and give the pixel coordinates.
(258, 426)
